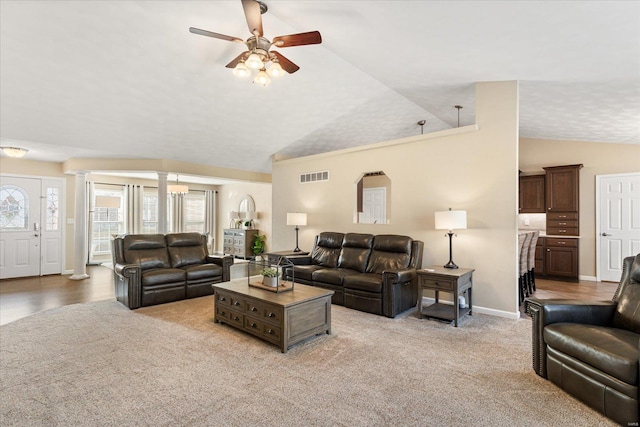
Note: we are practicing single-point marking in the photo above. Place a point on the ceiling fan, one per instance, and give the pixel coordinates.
(258, 53)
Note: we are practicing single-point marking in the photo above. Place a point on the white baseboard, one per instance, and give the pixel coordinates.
(479, 310)
(588, 278)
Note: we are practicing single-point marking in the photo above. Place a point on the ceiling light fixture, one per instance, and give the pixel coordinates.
(421, 123)
(177, 189)
(15, 152)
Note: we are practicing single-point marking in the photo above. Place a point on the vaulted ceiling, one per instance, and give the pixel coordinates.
(127, 79)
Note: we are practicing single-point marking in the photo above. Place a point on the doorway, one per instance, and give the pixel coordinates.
(31, 232)
(617, 222)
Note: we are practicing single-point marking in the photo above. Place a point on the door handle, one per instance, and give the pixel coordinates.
(605, 234)
(36, 235)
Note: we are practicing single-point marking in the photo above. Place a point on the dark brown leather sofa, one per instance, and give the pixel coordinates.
(591, 349)
(153, 269)
(376, 274)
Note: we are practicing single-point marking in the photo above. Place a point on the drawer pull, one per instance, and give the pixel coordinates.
(562, 231)
(222, 298)
(236, 318)
(222, 313)
(562, 243)
(271, 315)
(562, 223)
(254, 309)
(254, 325)
(270, 332)
(236, 303)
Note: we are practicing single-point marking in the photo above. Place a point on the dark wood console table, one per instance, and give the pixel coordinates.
(450, 280)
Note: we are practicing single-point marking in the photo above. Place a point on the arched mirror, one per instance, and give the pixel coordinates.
(246, 204)
(373, 199)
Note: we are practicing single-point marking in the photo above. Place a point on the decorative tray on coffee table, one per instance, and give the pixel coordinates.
(282, 279)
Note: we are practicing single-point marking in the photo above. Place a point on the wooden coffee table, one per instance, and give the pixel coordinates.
(283, 318)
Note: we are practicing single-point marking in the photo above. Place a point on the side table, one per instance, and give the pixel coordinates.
(453, 281)
(274, 257)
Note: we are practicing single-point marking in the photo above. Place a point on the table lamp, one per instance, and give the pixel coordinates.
(296, 219)
(451, 220)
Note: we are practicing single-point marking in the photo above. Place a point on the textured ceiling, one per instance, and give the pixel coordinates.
(127, 79)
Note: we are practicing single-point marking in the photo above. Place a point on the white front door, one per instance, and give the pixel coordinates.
(619, 222)
(30, 227)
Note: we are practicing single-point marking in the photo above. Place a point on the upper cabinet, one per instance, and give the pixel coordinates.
(563, 188)
(563, 200)
(531, 194)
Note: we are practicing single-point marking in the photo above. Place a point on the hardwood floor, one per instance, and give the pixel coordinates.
(23, 297)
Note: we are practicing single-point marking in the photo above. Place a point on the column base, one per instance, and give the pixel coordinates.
(79, 277)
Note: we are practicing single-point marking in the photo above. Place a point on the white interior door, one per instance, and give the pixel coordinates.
(619, 222)
(19, 227)
(374, 206)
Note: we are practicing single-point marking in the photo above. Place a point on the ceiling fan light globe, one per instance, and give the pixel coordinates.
(241, 70)
(275, 70)
(254, 61)
(262, 78)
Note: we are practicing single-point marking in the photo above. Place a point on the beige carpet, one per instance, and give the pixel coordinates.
(170, 365)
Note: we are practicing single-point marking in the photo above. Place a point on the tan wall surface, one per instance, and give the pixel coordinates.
(598, 159)
(475, 170)
(229, 196)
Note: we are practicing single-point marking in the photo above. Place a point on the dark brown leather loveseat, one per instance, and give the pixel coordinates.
(376, 274)
(590, 349)
(153, 269)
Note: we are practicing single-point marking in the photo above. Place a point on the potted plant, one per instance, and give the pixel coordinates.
(258, 246)
(269, 276)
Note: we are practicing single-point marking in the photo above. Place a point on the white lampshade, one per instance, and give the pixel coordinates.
(232, 215)
(254, 61)
(451, 220)
(241, 70)
(296, 219)
(177, 189)
(262, 78)
(275, 70)
(251, 215)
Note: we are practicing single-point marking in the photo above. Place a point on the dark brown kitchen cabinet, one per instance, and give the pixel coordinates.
(562, 258)
(562, 198)
(532, 194)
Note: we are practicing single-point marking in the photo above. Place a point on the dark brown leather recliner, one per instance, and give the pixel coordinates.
(153, 269)
(376, 274)
(591, 349)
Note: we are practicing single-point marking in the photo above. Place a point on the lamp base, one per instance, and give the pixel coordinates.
(297, 249)
(450, 264)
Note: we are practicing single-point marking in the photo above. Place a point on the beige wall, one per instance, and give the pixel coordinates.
(472, 168)
(229, 197)
(598, 159)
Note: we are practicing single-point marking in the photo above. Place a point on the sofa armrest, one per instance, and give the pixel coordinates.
(127, 280)
(544, 312)
(225, 262)
(399, 291)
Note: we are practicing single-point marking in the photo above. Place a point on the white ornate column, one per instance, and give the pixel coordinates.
(162, 202)
(80, 228)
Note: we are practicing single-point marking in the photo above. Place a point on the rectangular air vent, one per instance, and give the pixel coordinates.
(306, 178)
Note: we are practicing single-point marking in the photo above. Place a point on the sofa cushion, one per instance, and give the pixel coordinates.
(327, 249)
(627, 315)
(356, 248)
(333, 276)
(304, 272)
(200, 272)
(611, 350)
(186, 249)
(364, 282)
(161, 276)
(146, 250)
(390, 252)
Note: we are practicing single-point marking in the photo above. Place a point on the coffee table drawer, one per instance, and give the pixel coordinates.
(223, 298)
(236, 303)
(236, 318)
(437, 284)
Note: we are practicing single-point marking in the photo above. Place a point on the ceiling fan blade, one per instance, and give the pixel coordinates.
(312, 37)
(233, 63)
(253, 15)
(286, 65)
(214, 35)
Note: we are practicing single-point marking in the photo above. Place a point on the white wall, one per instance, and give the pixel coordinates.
(472, 168)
